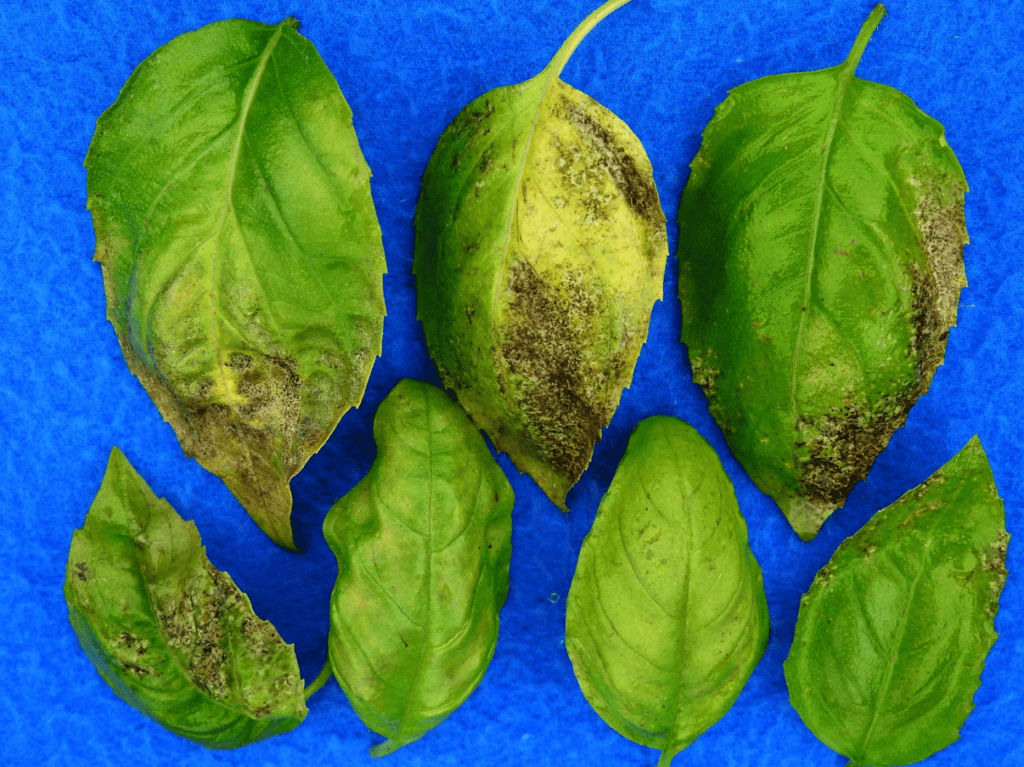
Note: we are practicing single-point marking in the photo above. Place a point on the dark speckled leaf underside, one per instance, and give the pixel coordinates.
(171, 634)
(540, 251)
(821, 261)
(241, 252)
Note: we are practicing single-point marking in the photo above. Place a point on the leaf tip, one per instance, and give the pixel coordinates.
(389, 746)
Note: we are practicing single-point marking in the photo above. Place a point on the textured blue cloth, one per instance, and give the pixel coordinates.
(407, 68)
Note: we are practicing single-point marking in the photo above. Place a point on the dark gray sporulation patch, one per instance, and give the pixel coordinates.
(937, 290)
(82, 571)
(843, 446)
(993, 563)
(128, 649)
(242, 440)
(994, 559)
(193, 628)
(211, 627)
(847, 442)
(271, 390)
(541, 349)
(472, 118)
(637, 190)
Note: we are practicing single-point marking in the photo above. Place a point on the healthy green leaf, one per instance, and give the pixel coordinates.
(893, 633)
(423, 545)
(821, 262)
(241, 252)
(171, 634)
(540, 251)
(666, 617)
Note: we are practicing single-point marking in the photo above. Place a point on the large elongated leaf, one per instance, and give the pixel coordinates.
(893, 633)
(241, 253)
(666, 617)
(540, 251)
(171, 634)
(423, 545)
(821, 261)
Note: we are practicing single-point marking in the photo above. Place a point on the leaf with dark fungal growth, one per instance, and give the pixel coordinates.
(892, 636)
(241, 253)
(540, 251)
(821, 261)
(171, 634)
(423, 545)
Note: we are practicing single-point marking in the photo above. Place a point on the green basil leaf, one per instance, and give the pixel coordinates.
(540, 251)
(171, 634)
(423, 545)
(892, 635)
(241, 252)
(821, 262)
(666, 617)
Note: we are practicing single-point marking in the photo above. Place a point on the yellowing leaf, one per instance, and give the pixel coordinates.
(540, 251)
(666, 617)
(241, 253)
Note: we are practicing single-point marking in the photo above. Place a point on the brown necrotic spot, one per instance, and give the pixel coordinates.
(542, 353)
(637, 190)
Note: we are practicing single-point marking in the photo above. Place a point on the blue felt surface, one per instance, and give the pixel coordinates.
(406, 68)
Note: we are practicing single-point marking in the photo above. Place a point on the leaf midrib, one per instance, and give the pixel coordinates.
(925, 565)
(233, 161)
(846, 76)
(892, 660)
(677, 711)
(550, 75)
(399, 737)
(517, 186)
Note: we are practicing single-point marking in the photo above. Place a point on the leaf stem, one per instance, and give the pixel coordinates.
(559, 60)
(864, 36)
(320, 681)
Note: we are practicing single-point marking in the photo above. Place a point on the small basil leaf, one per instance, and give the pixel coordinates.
(540, 251)
(241, 252)
(423, 545)
(666, 617)
(821, 261)
(171, 634)
(892, 635)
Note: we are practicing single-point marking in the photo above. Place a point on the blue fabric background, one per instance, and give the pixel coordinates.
(407, 68)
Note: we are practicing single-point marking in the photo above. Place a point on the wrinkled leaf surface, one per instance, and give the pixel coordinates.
(666, 617)
(892, 636)
(821, 261)
(241, 252)
(171, 634)
(423, 545)
(540, 251)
